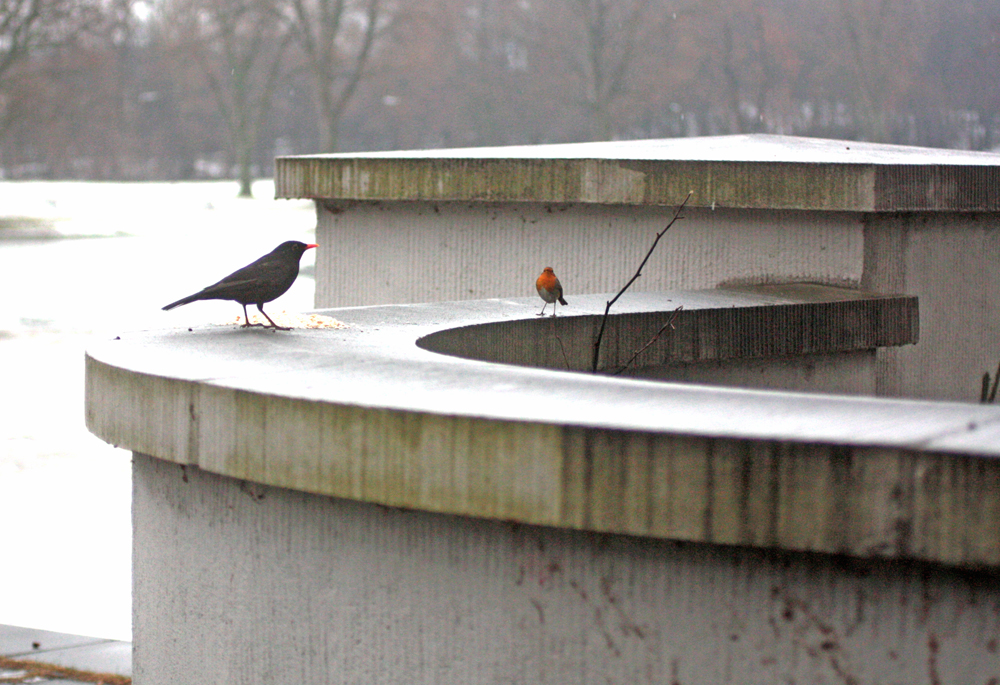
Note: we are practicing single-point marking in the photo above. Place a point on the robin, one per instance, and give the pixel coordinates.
(549, 289)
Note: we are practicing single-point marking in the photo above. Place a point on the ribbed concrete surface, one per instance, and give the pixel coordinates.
(243, 584)
(753, 323)
(402, 252)
(365, 413)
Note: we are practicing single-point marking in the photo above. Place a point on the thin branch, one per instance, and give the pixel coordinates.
(562, 348)
(668, 324)
(638, 272)
(360, 61)
(996, 381)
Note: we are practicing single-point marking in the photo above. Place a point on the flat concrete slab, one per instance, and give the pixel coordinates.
(81, 653)
(743, 171)
(377, 362)
(109, 656)
(18, 642)
(753, 147)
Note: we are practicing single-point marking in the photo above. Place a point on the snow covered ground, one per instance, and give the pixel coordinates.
(122, 251)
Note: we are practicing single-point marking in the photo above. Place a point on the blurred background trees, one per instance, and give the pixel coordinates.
(176, 89)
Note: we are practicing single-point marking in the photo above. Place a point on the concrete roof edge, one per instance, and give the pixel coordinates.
(755, 171)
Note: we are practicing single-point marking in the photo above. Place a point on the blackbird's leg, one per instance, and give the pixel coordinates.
(246, 319)
(260, 306)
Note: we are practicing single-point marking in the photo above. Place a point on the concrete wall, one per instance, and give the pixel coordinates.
(244, 584)
(952, 264)
(444, 225)
(389, 252)
(398, 252)
(803, 337)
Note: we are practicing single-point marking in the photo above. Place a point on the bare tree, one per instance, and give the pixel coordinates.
(880, 41)
(30, 25)
(19, 22)
(594, 43)
(500, 95)
(239, 46)
(749, 49)
(337, 39)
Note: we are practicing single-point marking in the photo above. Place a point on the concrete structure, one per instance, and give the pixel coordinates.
(347, 504)
(428, 496)
(793, 337)
(428, 226)
(43, 656)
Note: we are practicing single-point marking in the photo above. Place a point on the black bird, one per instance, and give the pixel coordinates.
(262, 281)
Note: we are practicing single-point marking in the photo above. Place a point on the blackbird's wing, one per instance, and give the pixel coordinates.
(264, 269)
(256, 281)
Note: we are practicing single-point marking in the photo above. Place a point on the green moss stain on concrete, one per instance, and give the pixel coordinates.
(599, 181)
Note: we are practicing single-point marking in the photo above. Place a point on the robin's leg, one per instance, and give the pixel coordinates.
(542, 313)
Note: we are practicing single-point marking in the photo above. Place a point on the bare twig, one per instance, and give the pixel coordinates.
(988, 394)
(668, 324)
(638, 272)
(562, 348)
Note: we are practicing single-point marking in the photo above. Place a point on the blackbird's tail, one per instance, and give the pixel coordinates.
(184, 300)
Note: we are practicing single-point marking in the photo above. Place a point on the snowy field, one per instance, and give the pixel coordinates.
(114, 254)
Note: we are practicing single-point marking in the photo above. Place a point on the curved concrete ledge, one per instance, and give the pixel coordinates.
(365, 413)
(749, 171)
(716, 330)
